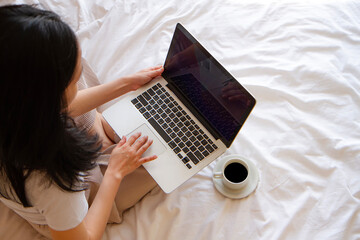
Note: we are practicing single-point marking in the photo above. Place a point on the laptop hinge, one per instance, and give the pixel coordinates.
(194, 111)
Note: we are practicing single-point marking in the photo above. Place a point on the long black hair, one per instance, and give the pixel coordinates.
(38, 55)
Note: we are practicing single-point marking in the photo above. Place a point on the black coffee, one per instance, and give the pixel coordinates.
(235, 172)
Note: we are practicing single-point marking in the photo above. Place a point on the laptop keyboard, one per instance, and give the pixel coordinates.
(174, 125)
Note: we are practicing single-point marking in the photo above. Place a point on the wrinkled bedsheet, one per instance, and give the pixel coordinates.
(300, 60)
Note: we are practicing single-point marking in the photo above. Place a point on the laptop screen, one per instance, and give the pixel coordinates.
(215, 97)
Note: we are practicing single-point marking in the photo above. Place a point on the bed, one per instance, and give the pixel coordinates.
(301, 61)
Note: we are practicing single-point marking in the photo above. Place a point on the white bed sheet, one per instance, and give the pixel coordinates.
(301, 61)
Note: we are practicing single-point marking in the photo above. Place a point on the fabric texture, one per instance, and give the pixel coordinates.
(300, 60)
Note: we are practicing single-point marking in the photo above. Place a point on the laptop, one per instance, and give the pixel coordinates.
(193, 112)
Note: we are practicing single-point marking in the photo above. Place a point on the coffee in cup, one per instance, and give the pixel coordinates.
(234, 174)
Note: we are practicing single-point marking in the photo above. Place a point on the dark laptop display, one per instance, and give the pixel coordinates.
(211, 93)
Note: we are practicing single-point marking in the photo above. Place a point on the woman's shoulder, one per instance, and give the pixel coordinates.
(39, 184)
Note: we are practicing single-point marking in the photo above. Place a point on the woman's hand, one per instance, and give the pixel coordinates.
(144, 76)
(127, 155)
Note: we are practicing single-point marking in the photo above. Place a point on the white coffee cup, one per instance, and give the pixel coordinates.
(234, 174)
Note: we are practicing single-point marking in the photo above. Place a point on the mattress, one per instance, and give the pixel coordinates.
(299, 59)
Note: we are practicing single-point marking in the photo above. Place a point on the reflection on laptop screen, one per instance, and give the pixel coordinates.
(210, 89)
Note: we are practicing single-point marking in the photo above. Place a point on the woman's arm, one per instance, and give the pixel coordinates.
(125, 158)
(93, 97)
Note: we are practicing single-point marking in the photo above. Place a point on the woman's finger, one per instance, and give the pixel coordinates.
(155, 72)
(133, 138)
(152, 68)
(144, 147)
(140, 142)
(147, 159)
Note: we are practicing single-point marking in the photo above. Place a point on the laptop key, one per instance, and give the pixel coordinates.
(151, 92)
(185, 150)
(186, 160)
(209, 148)
(146, 115)
(205, 153)
(199, 155)
(188, 165)
(134, 101)
(172, 144)
(181, 145)
(180, 134)
(157, 127)
(192, 158)
(138, 105)
(142, 100)
(146, 96)
(142, 110)
(177, 150)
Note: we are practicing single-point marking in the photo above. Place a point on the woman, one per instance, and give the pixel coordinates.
(44, 156)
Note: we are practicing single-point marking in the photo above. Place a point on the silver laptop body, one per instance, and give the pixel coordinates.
(193, 112)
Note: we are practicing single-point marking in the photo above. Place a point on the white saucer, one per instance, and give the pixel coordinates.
(236, 194)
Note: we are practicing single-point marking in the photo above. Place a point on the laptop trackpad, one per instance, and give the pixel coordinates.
(156, 147)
